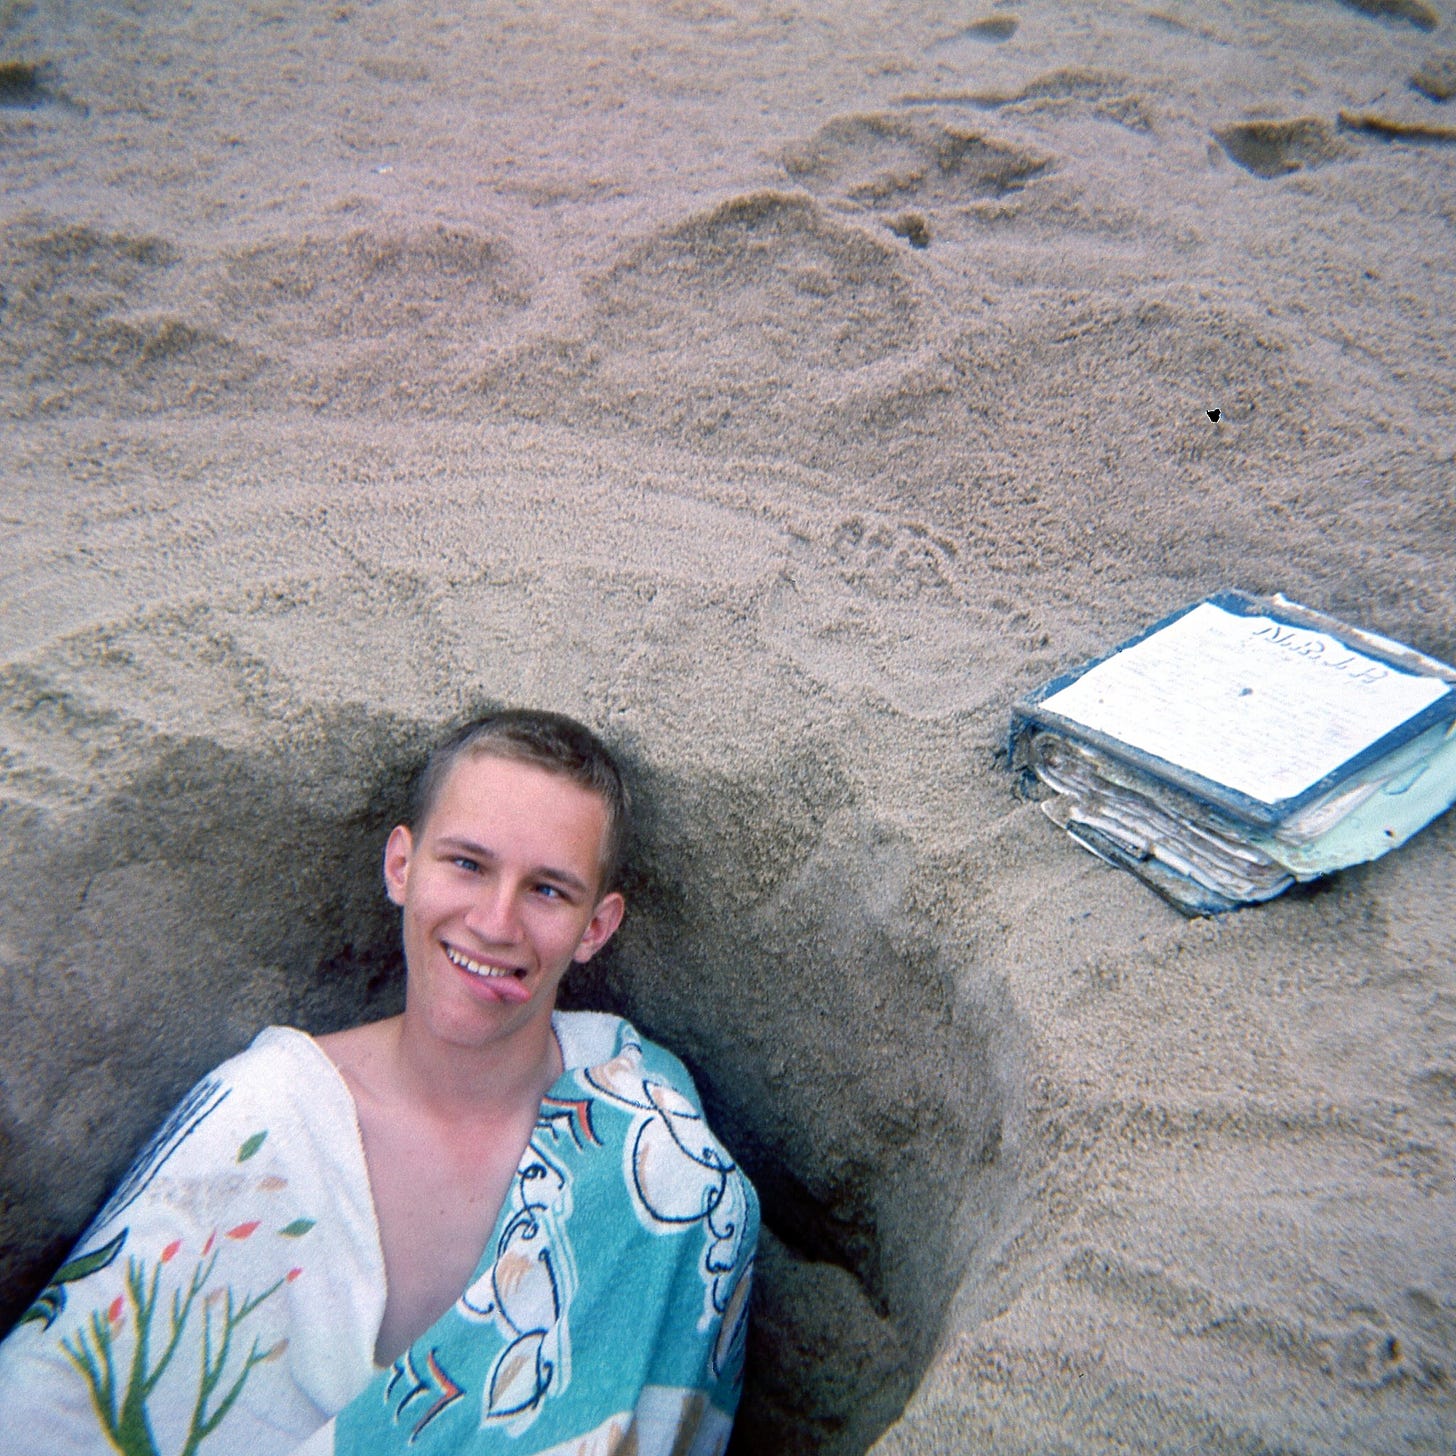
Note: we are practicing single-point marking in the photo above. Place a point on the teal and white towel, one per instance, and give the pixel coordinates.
(227, 1299)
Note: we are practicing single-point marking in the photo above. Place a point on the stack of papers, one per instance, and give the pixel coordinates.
(1240, 745)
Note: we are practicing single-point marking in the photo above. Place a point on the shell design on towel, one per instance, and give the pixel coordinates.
(680, 1176)
(527, 1291)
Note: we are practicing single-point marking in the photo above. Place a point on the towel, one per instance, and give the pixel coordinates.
(227, 1298)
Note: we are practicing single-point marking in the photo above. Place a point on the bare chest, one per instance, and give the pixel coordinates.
(437, 1195)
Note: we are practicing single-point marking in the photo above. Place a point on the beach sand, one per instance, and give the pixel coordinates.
(783, 388)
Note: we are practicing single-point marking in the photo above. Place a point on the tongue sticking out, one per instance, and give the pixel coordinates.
(505, 988)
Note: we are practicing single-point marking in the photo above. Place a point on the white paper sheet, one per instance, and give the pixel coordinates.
(1259, 706)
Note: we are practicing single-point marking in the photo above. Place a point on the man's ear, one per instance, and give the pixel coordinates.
(397, 850)
(601, 927)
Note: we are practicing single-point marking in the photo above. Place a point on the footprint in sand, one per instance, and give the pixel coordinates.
(1395, 129)
(992, 28)
(374, 311)
(1070, 90)
(1436, 79)
(989, 30)
(845, 626)
(91, 318)
(745, 322)
(1273, 148)
(27, 86)
(1413, 12)
(774, 272)
(889, 163)
(54, 265)
(370, 282)
(22, 85)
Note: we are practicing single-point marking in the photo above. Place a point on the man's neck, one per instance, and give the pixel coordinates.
(467, 1083)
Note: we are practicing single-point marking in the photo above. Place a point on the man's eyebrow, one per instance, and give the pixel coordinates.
(479, 851)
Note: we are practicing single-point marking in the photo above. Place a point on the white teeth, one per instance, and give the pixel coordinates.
(474, 967)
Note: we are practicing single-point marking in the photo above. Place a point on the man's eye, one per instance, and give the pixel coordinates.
(464, 862)
(549, 892)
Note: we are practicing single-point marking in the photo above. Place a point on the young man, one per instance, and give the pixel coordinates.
(479, 1226)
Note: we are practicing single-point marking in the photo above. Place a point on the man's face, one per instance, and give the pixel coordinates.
(500, 892)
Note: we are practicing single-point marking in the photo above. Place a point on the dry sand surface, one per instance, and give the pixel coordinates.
(783, 387)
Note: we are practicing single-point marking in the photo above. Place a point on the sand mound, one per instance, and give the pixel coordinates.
(785, 392)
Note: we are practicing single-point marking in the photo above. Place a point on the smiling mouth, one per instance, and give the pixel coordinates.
(477, 968)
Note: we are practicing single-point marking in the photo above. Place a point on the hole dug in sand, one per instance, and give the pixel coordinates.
(885, 160)
(775, 942)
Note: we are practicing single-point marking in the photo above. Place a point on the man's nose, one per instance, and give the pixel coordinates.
(494, 913)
